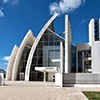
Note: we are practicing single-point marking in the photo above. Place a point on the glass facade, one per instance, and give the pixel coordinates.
(47, 49)
(22, 64)
(79, 61)
(73, 55)
(54, 54)
(50, 53)
(96, 30)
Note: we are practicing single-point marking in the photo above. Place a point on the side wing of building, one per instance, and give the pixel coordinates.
(20, 61)
(11, 62)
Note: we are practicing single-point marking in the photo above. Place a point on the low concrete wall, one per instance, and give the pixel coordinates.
(1, 78)
(81, 78)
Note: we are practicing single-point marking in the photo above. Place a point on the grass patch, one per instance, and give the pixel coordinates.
(92, 95)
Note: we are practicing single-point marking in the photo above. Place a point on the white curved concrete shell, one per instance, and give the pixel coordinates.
(27, 41)
(11, 62)
(28, 66)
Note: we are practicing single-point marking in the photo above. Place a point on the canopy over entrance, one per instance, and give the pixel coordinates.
(49, 72)
(47, 69)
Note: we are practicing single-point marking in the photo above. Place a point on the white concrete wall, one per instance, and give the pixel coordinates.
(59, 79)
(27, 41)
(11, 62)
(68, 42)
(91, 32)
(96, 57)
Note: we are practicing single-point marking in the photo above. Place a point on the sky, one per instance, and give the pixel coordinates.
(18, 16)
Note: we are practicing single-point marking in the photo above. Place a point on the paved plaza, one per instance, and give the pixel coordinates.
(41, 91)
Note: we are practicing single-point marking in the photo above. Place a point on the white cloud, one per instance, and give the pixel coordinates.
(12, 2)
(83, 21)
(1, 13)
(5, 64)
(65, 6)
(6, 58)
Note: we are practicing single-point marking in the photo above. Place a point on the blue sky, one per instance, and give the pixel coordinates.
(18, 16)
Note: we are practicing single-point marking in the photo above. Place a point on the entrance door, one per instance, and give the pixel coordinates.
(21, 76)
(36, 76)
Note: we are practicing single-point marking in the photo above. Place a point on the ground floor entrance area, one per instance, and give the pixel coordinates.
(41, 74)
(48, 73)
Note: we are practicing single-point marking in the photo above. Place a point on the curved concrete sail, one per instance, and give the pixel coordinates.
(11, 62)
(28, 66)
(27, 42)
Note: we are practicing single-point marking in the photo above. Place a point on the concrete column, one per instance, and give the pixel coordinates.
(61, 57)
(61, 64)
(44, 77)
(66, 43)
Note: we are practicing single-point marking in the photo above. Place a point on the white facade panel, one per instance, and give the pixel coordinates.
(91, 32)
(27, 41)
(68, 42)
(96, 57)
(11, 62)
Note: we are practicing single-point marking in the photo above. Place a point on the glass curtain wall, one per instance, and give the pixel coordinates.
(73, 55)
(80, 61)
(96, 30)
(22, 64)
(48, 40)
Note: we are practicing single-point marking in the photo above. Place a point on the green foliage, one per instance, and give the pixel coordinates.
(92, 95)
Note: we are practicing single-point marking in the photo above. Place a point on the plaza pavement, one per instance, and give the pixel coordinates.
(39, 91)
